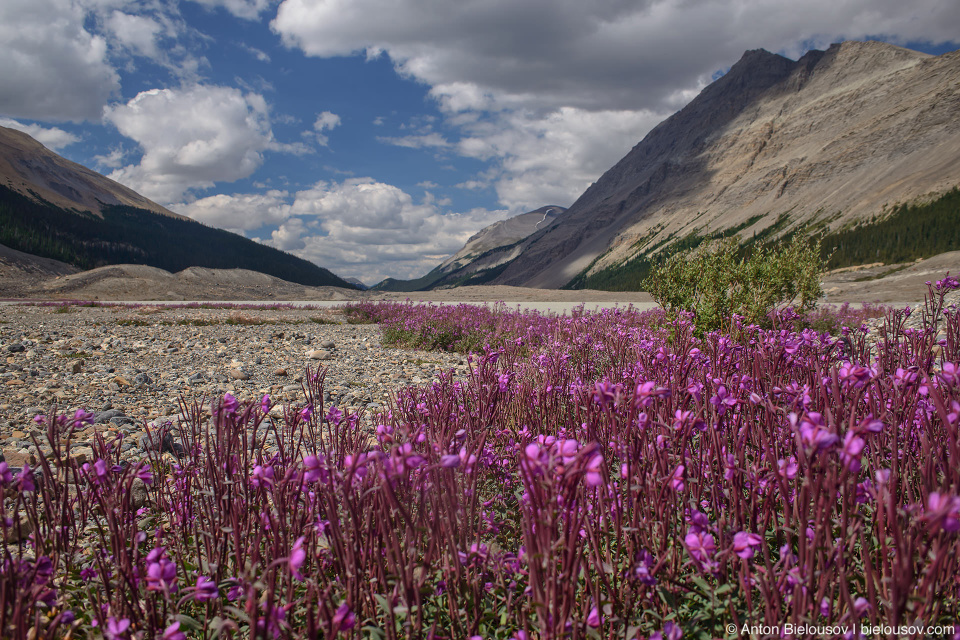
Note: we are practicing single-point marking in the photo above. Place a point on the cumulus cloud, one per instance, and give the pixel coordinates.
(357, 227)
(239, 212)
(522, 79)
(53, 138)
(54, 68)
(191, 138)
(373, 230)
(136, 33)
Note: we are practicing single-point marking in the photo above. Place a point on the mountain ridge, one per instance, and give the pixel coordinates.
(851, 129)
(91, 221)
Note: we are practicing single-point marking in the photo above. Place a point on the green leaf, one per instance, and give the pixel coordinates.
(190, 623)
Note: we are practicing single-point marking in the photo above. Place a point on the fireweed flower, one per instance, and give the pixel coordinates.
(644, 567)
(593, 476)
(5, 476)
(161, 572)
(306, 413)
(173, 633)
(594, 619)
(144, 473)
(313, 469)
(450, 461)
(722, 400)
(205, 590)
(230, 404)
(852, 449)
(265, 404)
(334, 416)
(745, 543)
(855, 376)
(117, 629)
(813, 432)
(25, 480)
(262, 476)
(670, 631)
(646, 392)
(676, 480)
(568, 450)
(344, 618)
(83, 417)
(943, 511)
(700, 544)
(296, 559)
(949, 375)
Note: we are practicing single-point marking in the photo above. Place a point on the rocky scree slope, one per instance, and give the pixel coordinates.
(835, 136)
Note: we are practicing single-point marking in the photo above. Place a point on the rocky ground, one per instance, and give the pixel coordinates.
(133, 367)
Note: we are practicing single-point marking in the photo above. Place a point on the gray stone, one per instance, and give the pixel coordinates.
(106, 416)
(138, 493)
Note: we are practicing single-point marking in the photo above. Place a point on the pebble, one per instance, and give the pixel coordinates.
(138, 373)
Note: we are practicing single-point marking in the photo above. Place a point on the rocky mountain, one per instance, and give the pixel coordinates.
(483, 256)
(29, 168)
(835, 137)
(57, 209)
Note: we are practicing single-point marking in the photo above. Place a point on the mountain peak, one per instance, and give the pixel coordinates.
(842, 133)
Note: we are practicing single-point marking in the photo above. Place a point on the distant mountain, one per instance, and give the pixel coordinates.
(54, 208)
(483, 256)
(828, 141)
(357, 283)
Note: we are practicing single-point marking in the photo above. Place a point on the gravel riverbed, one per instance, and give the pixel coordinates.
(133, 367)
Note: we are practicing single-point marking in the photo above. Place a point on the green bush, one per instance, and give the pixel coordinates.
(716, 281)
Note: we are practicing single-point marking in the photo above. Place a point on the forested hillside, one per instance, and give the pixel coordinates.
(136, 236)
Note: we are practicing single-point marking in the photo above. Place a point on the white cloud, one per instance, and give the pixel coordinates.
(374, 230)
(604, 54)
(417, 142)
(53, 138)
(246, 9)
(136, 33)
(325, 121)
(526, 82)
(53, 67)
(428, 184)
(238, 212)
(192, 138)
(112, 160)
(259, 54)
(553, 158)
(357, 227)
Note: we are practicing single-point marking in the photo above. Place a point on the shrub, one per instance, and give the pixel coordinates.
(715, 281)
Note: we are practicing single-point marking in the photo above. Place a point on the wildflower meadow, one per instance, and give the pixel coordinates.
(597, 475)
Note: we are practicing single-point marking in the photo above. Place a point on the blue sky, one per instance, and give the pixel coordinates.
(373, 137)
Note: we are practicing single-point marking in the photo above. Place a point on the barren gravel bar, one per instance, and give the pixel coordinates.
(133, 366)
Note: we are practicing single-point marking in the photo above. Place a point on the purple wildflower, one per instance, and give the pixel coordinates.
(745, 544)
(205, 590)
(173, 633)
(344, 618)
